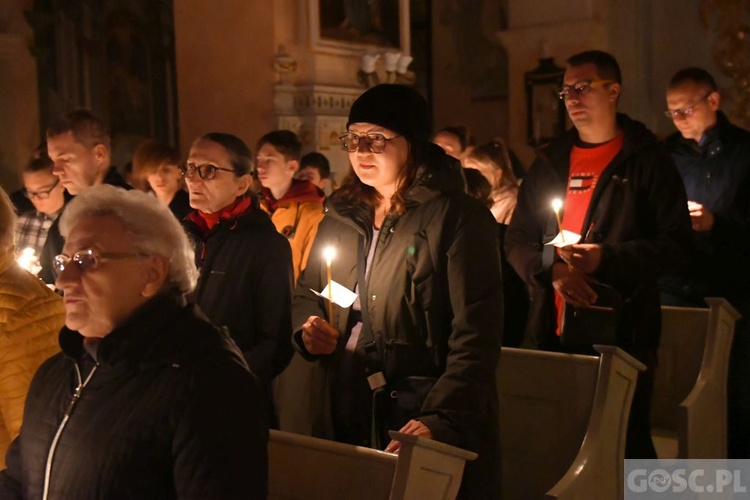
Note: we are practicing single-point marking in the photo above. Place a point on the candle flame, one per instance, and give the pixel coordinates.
(329, 253)
(557, 204)
(28, 260)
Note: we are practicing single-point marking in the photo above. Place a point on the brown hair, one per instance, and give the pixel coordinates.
(39, 160)
(477, 186)
(354, 192)
(87, 129)
(495, 155)
(286, 142)
(150, 155)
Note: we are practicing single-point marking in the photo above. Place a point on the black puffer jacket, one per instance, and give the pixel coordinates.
(638, 214)
(246, 283)
(170, 411)
(434, 299)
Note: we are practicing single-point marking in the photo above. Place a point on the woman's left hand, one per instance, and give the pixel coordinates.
(413, 427)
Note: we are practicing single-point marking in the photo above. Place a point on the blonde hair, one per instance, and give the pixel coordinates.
(495, 156)
(151, 226)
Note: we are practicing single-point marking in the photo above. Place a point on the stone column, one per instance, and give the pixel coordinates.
(19, 100)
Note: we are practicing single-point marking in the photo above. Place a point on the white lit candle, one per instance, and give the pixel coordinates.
(328, 254)
(556, 206)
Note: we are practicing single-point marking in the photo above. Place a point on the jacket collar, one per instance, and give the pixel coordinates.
(713, 142)
(635, 137)
(300, 191)
(252, 216)
(114, 178)
(139, 339)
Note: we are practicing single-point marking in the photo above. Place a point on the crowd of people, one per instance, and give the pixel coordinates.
(191, 318)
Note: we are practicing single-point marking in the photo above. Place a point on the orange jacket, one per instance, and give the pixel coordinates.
(31, 316)
(296, 215)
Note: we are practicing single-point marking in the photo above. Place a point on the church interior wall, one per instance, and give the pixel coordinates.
(227, 58)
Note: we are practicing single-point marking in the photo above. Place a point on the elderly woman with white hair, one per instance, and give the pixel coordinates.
(147, 399)
(31, 316)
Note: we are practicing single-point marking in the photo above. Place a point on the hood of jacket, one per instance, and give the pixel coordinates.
(300, 191)
(150, 336)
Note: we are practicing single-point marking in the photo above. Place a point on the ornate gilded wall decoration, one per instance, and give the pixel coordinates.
(729, 22)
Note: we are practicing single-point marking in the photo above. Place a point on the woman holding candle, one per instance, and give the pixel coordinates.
(423, 258)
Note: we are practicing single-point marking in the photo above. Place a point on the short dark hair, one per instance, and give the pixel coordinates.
(461, 132)
(286, 142)
(317, 161)
(87, 129)
(239, 154)
(695, 75)
(39, 160)
(606, 65)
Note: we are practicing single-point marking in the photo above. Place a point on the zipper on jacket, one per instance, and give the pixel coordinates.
(66, 417)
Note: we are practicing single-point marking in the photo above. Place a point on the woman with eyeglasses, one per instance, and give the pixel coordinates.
(245, 265)
(147, 399)
(418, 349)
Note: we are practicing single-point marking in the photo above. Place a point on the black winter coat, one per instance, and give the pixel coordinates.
(638, 214)
(170, 411)
(716, 175)
(246, 283)
(434, 299)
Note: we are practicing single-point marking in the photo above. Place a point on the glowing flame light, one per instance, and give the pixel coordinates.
(329, 253)
(28, 260)
(557, 204)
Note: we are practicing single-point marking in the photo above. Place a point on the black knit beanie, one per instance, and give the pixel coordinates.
(395, 107)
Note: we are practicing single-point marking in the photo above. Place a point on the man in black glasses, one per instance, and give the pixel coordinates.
(44, 191)
(79, 145)
(619, 190)
(713, 158)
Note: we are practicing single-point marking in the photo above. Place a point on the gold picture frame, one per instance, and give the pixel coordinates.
(357, 26)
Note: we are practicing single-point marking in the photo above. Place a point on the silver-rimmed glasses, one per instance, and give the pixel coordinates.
(88, 259)
(675, 114)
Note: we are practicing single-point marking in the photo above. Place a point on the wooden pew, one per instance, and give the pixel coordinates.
(302, 467)
(563, 422)
(689, 405)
